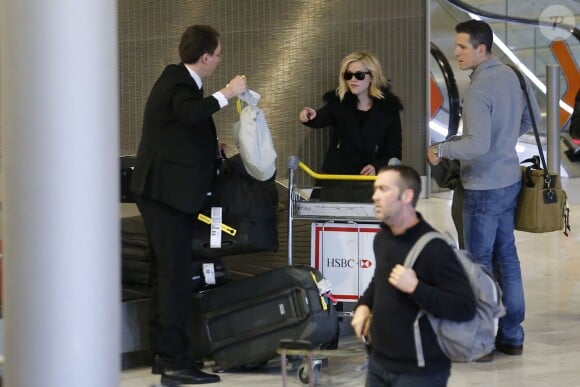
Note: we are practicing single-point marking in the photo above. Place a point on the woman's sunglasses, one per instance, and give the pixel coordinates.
(360, 75)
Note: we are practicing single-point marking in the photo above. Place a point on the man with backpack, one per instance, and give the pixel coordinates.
(437, 284)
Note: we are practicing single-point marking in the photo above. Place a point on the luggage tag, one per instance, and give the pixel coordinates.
(209, 273)
(215, 236)
(322, 301)
(325, 288)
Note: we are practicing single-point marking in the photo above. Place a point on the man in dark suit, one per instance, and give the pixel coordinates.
(176, 164)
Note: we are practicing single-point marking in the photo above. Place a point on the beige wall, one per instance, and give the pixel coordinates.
(289, 50)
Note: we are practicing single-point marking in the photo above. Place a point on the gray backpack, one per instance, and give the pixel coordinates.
(466, 340)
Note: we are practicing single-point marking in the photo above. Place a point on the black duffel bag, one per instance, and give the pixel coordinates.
(248, 205)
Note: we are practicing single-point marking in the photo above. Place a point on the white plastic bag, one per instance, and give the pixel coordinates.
(253, 139)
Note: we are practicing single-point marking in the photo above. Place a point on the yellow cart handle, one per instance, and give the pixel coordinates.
(323, 176)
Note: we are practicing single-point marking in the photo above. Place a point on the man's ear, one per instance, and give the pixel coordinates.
(482, 50)
(408, 196)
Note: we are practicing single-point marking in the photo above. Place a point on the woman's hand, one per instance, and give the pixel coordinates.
(368, 170)
(306, 115)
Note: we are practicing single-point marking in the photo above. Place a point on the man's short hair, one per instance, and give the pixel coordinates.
(409, 179)
(479, 33)
(196, 41)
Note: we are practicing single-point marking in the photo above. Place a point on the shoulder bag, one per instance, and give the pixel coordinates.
(542, 203)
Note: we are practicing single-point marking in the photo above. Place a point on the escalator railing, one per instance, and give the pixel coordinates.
(450, 84)
(514, 19)
(526, 48)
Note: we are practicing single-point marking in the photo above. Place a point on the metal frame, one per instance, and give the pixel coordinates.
(301, 209)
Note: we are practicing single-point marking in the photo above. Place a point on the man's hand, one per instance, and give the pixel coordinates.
(432, 156)
(404, 279)
(361, 321)
(235, 87)
(224, 149)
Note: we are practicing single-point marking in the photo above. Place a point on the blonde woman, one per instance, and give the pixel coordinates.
(364, 115)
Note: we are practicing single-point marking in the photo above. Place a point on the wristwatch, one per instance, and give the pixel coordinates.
(437, 150)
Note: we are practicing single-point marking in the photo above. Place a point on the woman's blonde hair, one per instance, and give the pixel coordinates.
(371, 62)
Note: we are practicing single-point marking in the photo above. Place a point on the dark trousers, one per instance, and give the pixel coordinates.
(377, 376)
(170, 234)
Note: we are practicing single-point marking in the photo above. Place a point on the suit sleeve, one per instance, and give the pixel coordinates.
(190, 107)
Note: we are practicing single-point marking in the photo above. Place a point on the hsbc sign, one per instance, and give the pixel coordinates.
(366, 263)
(349, 263)
(343, 252)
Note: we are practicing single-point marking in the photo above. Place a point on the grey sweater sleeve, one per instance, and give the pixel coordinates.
(495, 114)
(476, 138)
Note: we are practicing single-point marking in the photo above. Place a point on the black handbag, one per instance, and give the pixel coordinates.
(542, 203)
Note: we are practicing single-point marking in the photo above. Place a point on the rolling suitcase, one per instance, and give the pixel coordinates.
(242, 323)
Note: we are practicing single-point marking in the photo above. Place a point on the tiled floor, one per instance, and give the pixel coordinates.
(551, 269)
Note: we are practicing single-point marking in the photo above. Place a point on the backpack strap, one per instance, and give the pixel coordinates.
(410, 259)
(417, 248)
(418, 342)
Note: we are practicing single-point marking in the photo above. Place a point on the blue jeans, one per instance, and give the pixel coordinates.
(377, 376)
(488, 228)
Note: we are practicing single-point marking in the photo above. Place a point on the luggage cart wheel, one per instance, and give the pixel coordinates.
(305, 373)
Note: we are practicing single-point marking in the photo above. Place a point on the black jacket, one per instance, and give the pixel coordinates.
(177, 157)
(443, 290)
(353, 146)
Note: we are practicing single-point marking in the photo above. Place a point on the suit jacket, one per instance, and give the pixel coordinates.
(177, 157)
(353, 146)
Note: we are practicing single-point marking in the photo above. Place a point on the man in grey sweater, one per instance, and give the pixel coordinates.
(495, 114)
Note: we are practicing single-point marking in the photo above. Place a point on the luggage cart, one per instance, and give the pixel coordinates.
(356, 218)
(358, 221)
(301, 209)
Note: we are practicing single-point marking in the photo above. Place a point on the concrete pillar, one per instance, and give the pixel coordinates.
(60, 119)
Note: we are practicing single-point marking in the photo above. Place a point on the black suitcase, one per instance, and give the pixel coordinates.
(136, 256)
(135, 269)
(242, 323)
